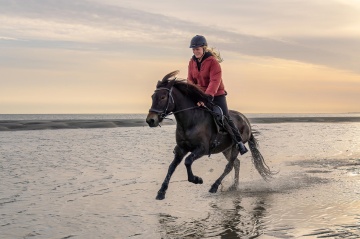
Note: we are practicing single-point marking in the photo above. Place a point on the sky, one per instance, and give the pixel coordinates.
(106, 56)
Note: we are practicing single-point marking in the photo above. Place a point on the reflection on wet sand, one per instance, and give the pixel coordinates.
(289, 207)
(229, 217)
(241, 221)
(343, 231)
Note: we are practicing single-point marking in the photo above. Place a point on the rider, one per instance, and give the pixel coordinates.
(205, 72)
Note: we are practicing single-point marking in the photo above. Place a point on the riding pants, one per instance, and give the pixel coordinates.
(221, 102)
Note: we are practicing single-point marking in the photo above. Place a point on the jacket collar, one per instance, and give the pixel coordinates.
(206, 55)
(198, 63)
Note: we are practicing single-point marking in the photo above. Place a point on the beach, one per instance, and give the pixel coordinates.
(97, 178)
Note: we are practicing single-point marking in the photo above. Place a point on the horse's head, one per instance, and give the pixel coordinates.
(162, 100)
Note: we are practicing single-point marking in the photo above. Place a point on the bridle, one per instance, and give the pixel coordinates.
(163, 113)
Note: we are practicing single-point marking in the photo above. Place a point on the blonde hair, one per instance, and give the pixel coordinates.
(214, 52)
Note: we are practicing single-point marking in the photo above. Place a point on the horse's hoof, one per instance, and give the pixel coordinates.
(213, 189)
(233, 187)
(160, 196)
(198, 180)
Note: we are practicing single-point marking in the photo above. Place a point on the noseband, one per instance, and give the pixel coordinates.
(163, 113)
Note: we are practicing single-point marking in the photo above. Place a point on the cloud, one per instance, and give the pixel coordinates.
(8, 38)
(96, 25)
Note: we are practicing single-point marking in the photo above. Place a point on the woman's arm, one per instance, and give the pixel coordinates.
(215, 78)
(190, 79)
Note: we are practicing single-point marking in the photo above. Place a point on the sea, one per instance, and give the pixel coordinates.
(70, 116)
(101, 182)
(143, 116)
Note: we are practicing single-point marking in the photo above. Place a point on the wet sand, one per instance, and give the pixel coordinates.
(12, 125)
(102, 183)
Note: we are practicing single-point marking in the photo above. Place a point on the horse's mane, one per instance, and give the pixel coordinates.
(189, 90)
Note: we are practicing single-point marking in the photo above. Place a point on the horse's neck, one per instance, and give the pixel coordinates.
(189, 118)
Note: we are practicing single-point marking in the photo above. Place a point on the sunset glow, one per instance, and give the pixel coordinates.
(106, 56)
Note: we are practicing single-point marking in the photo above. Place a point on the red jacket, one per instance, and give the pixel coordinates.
(208, 79)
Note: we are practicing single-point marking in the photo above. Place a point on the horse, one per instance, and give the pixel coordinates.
(197, 132)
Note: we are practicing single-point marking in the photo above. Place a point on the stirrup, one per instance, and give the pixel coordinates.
(241, 147)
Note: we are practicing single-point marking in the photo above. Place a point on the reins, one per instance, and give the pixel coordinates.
(163, 114)
(190, 108)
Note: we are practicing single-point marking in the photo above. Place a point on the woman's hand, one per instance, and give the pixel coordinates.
(200, 103)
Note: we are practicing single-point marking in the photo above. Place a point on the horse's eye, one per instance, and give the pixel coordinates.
(162, 97)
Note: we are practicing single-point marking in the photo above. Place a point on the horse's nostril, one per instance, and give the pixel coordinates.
(151, 121)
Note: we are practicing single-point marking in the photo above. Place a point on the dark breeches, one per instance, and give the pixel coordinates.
(220, 100)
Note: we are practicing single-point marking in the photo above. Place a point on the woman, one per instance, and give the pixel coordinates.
(205, 72)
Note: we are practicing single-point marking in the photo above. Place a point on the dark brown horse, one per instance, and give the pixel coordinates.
(197, 133)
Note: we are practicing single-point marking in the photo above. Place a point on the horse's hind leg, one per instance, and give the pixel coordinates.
(231, 157)
(179, 155)
(237, 172)
(229, 154)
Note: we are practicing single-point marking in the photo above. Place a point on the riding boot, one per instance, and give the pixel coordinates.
(239, 144)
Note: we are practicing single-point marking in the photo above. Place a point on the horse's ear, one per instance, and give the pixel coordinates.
(172, 82)
(170, 75)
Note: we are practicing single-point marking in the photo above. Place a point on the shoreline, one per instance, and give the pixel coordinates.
(16, 125)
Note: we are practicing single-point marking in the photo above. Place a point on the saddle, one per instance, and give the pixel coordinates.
(222, 126)
(219, 119)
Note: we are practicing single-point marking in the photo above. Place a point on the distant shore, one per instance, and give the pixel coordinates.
(15, 125)
(314, 119)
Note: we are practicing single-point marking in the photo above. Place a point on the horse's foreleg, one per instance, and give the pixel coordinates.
(188, 162)
(179, 155)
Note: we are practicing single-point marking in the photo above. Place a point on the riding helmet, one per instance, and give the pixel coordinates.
(198, 41)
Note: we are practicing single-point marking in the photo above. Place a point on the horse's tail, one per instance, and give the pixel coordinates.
(258, 160)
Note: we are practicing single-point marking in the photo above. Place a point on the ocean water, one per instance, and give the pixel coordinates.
(143, 116)
(102, 183)
(70, 116)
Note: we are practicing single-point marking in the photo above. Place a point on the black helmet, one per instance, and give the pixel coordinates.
(198, 41)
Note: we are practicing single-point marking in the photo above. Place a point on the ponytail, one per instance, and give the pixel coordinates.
(214, 52)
